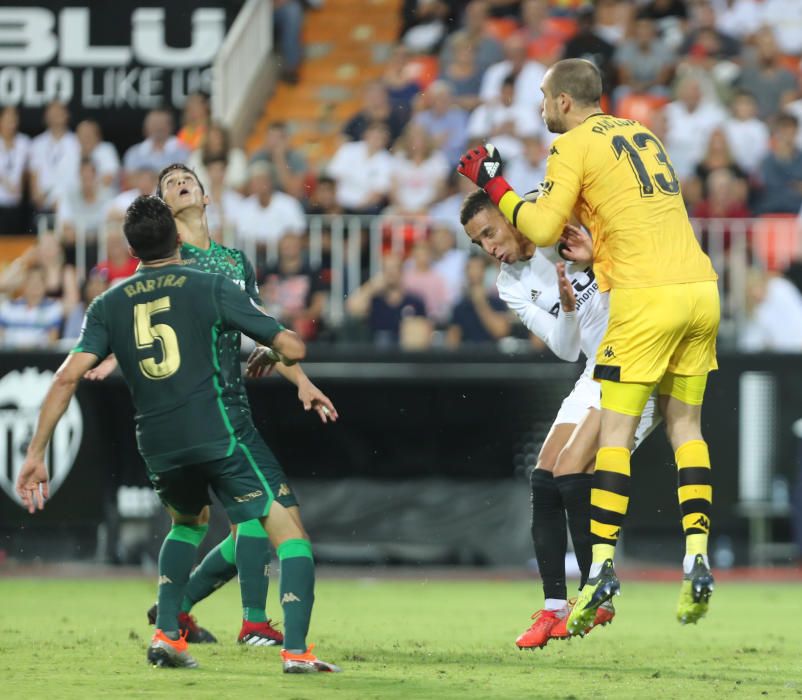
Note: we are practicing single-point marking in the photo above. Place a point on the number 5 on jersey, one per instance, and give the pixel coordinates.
(147, 333)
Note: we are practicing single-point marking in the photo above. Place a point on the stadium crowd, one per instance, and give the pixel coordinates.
(719, 81)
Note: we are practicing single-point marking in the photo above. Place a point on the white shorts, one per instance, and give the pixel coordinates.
(586, 394)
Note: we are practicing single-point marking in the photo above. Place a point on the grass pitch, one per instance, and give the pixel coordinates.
(86, 639)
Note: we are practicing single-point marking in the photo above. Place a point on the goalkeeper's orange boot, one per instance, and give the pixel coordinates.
(539, 633)
(170, 653)
(604, 616)
(260, 634)
(306, 662)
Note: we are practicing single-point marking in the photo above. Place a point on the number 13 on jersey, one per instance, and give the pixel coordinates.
(660, 174)
(147, 334)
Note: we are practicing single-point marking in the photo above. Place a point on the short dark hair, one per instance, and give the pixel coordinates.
(578, 78)
(150, 228)
(169, 169)
(786, 119)
(476, 201)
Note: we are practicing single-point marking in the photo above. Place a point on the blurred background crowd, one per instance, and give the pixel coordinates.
(363, 243)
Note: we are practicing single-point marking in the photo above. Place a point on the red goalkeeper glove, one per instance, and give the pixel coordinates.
(483, 166)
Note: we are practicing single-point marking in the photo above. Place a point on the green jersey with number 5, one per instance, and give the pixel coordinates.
(164, 325)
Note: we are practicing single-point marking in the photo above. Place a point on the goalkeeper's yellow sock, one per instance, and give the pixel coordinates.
(609, 499)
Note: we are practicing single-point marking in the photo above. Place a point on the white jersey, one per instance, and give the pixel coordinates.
(530, 289)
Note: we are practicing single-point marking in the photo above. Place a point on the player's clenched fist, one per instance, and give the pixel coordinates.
(483, 166)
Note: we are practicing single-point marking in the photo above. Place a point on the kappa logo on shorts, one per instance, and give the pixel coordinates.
(248, 497)
(284, 490)
(609, 352)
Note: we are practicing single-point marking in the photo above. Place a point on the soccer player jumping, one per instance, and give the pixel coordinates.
(163, 324)
(616, 177)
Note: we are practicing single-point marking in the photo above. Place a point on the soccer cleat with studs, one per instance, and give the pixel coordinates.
(540, 631)
(596, 591)
(188, 626)
(306, 662)
(604, 616)
(260, 634)
(169, 653)
(694, 595)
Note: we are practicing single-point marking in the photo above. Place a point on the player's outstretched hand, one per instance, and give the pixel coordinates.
(103, 370)
(314, 399)
(260, 362)
(567, 296)
(481, 165)
(575, 245)
(32, 484)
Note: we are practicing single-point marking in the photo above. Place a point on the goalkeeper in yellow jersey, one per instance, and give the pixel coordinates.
(615, 176)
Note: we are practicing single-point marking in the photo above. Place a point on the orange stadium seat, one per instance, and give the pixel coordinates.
(776, 240)
(501, 27)
(639, 107)
(424, 70)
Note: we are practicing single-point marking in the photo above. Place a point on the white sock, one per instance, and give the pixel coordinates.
(595, 569)
(556, 605)
(687, 562)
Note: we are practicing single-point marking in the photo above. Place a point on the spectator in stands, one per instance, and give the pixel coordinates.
(793, 105)
(689, 123)
(93, 287)
(288, 19)
(784, 18)
(119, 264)
(528, 75)
(224, 202)
(764, 76)
(194, 121)
(444, 121)
(421, 279)
(419, 172)
(61, 283)
(544, 42)
(217, 147)
(446, 211)
(292, 291)
(612, 19)
(160, 147)
(528, 169)
(363, 171)
(448, 261)
(462, 74)
(505, 122)
(102, 153)
(739, 18)
(323, 200)
(267, 214)
(82, 209)
(586, 43)
(747, 136)
(703, 36)
(54, 158)
(14, 152)
(142, 181)
(726, 199)
(781, 170)
(719, 157)
(384, 303)
(487, 49)
(645, 64)
(400, 82)
(375, 107)
(289, 165)
(774, 315)
(425, 23)
(479, 317)
(662, 9)
(32, 320)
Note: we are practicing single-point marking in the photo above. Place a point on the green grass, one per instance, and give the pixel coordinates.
(412, 639)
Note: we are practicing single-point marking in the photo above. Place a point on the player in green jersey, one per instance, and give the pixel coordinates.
(163, 325)
(180, 188)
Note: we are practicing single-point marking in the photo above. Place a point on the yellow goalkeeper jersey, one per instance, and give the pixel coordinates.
(616, 177)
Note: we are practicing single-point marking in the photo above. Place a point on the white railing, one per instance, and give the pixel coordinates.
(356, 245)
(241, 64)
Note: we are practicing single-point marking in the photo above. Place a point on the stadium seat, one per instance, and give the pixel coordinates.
(640, 107)
(424, 70)
(776, 240)
(501, 27)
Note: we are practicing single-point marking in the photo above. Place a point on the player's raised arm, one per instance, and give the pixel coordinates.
(32, 482)
(541, 221)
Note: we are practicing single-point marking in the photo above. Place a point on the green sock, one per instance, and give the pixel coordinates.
(216, 569)
(252, 556)
(297, 590)
(176, 559)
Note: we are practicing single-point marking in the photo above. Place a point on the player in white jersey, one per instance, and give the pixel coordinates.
(559, 302)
